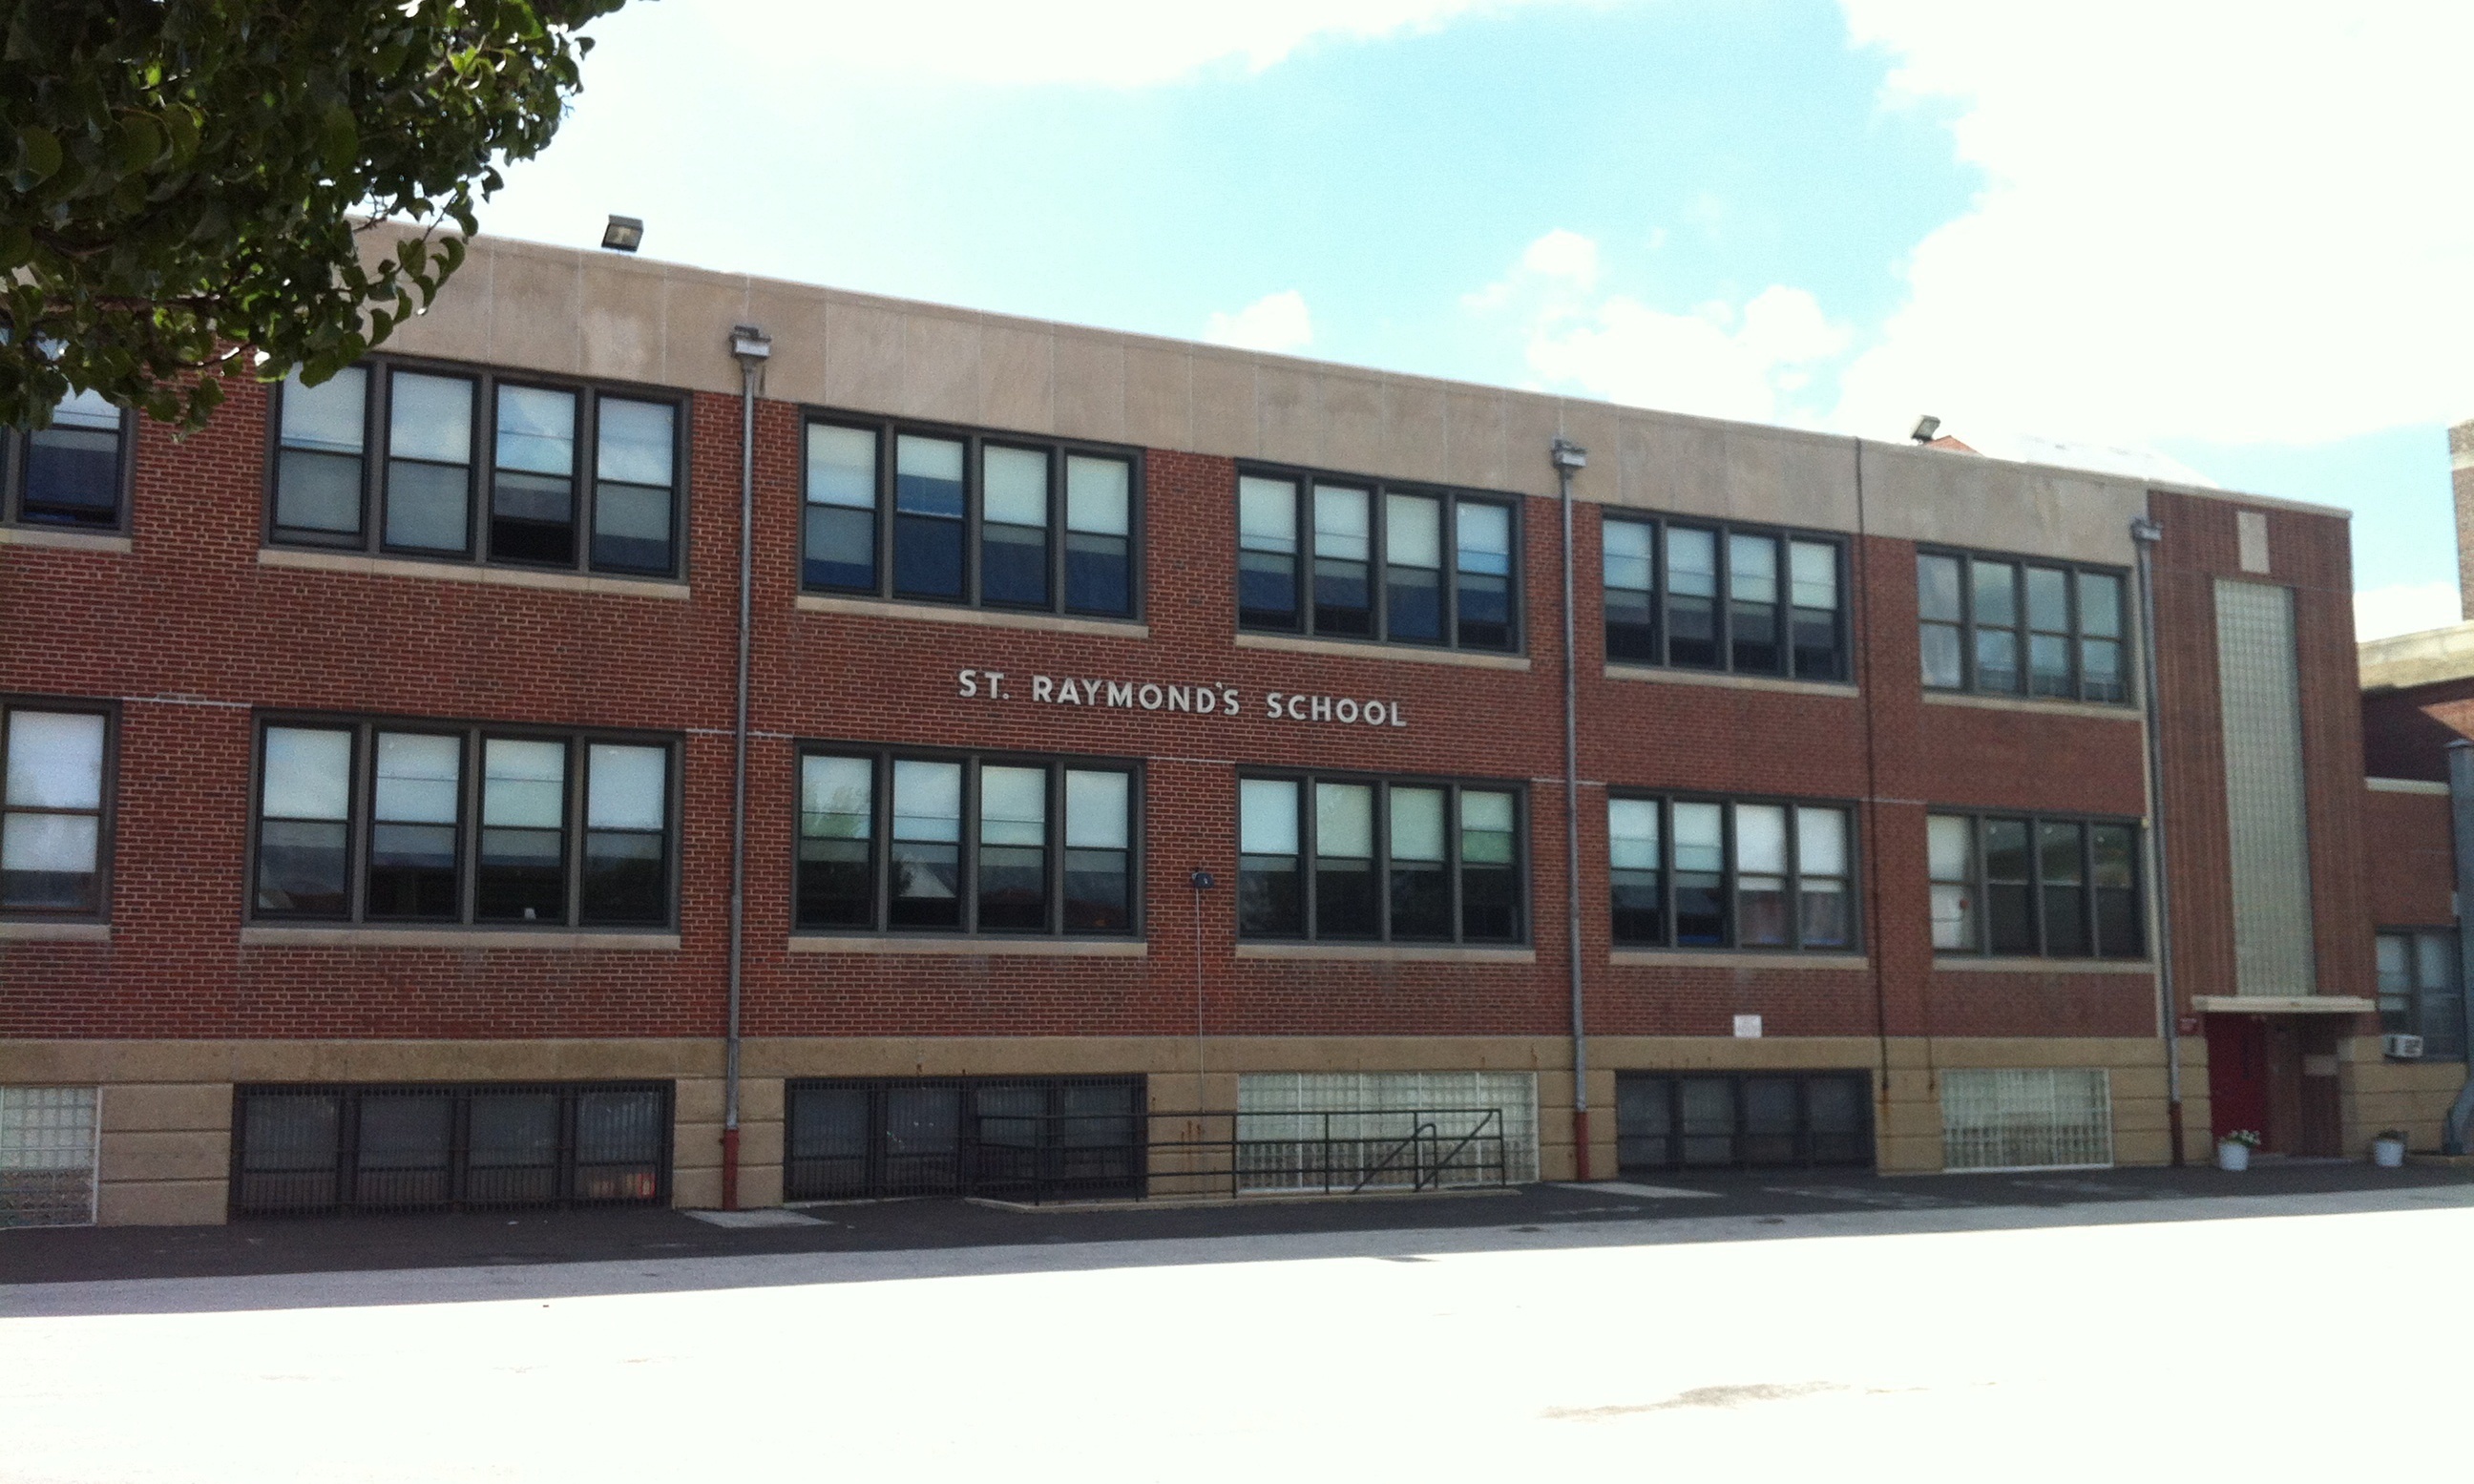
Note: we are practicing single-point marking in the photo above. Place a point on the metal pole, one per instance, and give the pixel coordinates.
(2145, 534)
(2460, 815)
(1569, 456)
(751, 345)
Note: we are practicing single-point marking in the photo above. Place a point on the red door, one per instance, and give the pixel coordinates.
(2237, 1073)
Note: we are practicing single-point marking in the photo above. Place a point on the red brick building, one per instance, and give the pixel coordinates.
(371, 761)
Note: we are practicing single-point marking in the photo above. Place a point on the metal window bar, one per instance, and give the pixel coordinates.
(335, 1148)
(2026, 1118)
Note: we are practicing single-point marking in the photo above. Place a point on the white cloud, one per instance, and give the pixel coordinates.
(1274, 322)
(2402, 609)
(1745, 361)
(2233, 220)
(1113, 43)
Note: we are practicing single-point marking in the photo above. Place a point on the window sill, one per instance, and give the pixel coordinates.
(1367, 649)
(1974, 965)
(975, 947)
(1714, 958)
(29, 932)
(986, 617)
(597, 939)
(2405, 786)
(63, 540)
(365, 566)
(2050, 708)
(1615, 670)
(1389, 952)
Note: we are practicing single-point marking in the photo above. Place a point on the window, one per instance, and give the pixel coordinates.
(1756, 602)
(2026, 1118)
(466, 466)
(2037, 888)
(960, 844)
(298, 1150)
(1757, 1120)
(54, 811)
(72, 476)
(1370, 860)
(1705, 873)
(1038, 1138)
(2021, 628)
(1349, 559)
(47, 1155)
(2418, 991)
(423, 823)
(945, 517)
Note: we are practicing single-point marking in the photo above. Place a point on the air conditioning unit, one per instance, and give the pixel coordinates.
(2401, 1048)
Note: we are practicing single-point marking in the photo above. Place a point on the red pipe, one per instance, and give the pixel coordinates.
(729, 1169)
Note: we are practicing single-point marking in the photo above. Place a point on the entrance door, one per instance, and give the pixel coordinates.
(2276, 1075)
(2237, 1074)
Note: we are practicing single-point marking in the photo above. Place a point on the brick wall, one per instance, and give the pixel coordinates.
(191, 631)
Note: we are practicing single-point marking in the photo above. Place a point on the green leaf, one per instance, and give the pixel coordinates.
(38, 158)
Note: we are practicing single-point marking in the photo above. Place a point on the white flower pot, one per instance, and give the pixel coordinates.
(2387, 1153)
(2233, 1156)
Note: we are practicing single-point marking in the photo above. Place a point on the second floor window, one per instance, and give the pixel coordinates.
(958, 844)
(51, 810)
(942, 517)
(72, 476)
(1341, 559)
(2020, 628)
(2418, 994)
(1711, 874)
(1754, 602)
(420, 823)
(2035, 887)
(459, 465)
(1335, 859)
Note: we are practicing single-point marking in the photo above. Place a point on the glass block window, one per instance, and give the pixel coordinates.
(468, 466)
(982, 520)
(1281, 1125)
(47, 1155)
(2011, 626)
(2026, 1118)
(1341, 558)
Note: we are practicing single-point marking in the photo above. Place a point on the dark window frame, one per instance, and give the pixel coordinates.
(976, 441)
(347, 1174)
(2023, 629)
(1450, 498)
(2415, 1014)
(2088, 825)
(1729, 873)
(1635, 1083)
(1380, 863)
(473, 736)
(1661, 603)
(881, 758)
(14, 464)
(971, 1163)
(375, 410)
(106, 815)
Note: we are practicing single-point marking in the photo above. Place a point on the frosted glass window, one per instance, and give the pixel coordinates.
(1341, 523)
(1344, 819)
(636, 441)
(835, 797)
(524, 783)
(419, 778)
(1268, 817)
(1418, 832)
(1098, 812)
(431, 418)
(927, 801)
(841, 466)
(627, 788)
(1626, 557)
(55, 760)
(1099, 496)
(1413, 532)
(536, 430)
(1700, 837)
(328, 417)
(309, 773)
(1632, 834)
(1013, 806)
(1017, 487)
(1821, 842)
(1760, 838)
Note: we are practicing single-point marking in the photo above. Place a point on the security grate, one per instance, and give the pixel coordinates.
(298, 1150)
(47, 1155)
(1293, 1125)
(2026, 1118)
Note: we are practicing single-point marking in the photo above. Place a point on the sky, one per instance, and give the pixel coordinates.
(2233, 239)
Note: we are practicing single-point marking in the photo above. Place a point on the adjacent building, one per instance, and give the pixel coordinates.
(1146, 746)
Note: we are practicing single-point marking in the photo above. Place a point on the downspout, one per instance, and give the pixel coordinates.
(2460, 818)
(751, 345)
(1568, 457)
(2145, 533)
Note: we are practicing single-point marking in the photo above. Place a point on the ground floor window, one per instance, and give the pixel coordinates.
(47, 1157)
(1757, 1119)
(2026, 1118)
(2418, 994)
(370, 1148)
(1379, 1129)
(1034, 1139)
